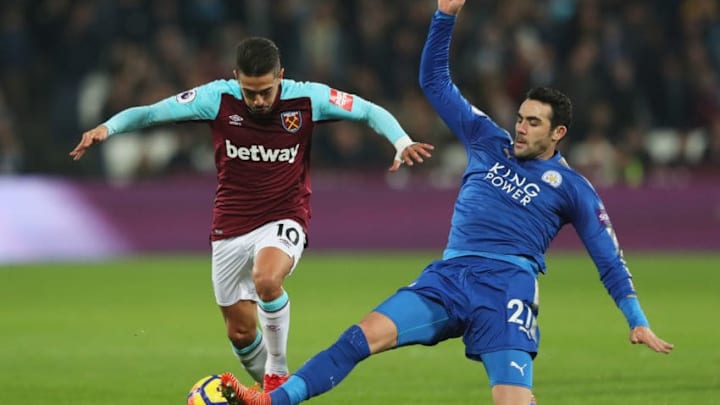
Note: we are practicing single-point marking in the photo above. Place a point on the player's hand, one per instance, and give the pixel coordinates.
(89, 138)
(415, 152)
(451, 7)
(642, 334)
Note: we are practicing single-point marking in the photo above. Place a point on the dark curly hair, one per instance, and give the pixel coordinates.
(562, 110)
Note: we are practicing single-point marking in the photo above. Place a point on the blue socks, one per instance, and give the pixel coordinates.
(293, 391)
(325, 370)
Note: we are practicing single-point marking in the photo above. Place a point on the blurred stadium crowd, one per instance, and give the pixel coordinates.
(644, 76)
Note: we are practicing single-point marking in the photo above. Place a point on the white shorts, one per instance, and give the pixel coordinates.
(233, 258)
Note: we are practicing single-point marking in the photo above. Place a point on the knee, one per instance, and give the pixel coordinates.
(268, 285)
(380, 332)
(241, 335)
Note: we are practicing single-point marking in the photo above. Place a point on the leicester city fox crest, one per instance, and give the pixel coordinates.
(552, 178)
(291, 121)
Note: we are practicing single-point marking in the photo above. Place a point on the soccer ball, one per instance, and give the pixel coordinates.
(206, 392)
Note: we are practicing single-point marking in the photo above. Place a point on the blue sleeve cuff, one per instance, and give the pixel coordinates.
(630, 307)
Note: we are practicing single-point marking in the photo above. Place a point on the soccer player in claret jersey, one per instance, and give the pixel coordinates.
(515, 196)
(261, 125)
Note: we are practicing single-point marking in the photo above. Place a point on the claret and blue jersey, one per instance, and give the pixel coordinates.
(511, 209)
(262, 161)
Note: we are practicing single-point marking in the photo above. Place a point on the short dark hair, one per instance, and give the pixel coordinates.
(257, 56)
(562, 111)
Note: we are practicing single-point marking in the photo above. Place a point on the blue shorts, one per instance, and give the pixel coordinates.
(492, 304)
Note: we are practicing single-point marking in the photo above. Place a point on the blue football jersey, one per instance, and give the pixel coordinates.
(511, 209)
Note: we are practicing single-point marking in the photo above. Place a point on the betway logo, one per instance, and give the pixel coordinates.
(516, 186)
(258, 153)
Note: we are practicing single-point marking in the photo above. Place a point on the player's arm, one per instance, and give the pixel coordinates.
(594, 228)
(332, 104)
(201, 103)
(467, 122)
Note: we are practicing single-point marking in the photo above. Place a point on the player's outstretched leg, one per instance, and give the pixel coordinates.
(237, 394)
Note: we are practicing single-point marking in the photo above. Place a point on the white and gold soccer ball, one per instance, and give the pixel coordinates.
(206, 392)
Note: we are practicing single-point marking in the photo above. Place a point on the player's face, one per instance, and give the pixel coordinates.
(534, 137)
(259, 92)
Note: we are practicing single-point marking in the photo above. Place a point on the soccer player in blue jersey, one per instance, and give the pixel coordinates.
(261, 125)
(515, 196)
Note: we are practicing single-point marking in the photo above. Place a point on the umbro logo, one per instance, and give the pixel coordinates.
(517, 366)
(235, 120)
(285, 243)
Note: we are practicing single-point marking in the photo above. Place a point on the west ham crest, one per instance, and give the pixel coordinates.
(291, 120)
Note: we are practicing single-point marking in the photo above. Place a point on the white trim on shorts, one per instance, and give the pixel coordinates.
(233, 258)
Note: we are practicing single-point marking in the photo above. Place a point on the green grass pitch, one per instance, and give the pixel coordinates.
(142, 331)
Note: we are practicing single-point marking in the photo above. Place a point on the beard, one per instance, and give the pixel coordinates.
(260, 111)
